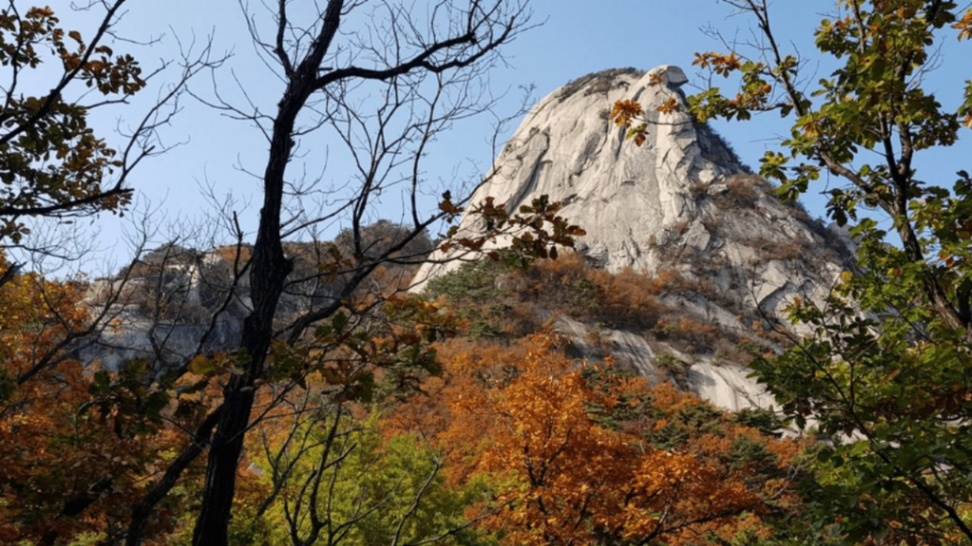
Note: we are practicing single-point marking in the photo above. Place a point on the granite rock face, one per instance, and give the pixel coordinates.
(567, 146)
(166, 307)
(682, 203)
(175, 302)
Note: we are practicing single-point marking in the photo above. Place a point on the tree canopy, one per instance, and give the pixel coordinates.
(53, 162)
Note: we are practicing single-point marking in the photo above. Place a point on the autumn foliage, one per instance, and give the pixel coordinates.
(397, 428)
(579, 454)
(72, 462)
(52, 162)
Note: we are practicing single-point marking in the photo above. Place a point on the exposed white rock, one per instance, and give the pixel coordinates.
(682, 202)
(174, 302)
(633, 350)
(727, 386)
(681, 205)
(637, 204)
(568, 146)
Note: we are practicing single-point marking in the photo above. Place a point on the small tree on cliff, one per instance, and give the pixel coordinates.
(885, 371)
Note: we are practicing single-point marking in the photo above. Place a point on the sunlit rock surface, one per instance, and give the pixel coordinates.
(682, 203)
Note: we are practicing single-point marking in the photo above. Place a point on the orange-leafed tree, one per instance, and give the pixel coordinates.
(581, 454)
(75, 443)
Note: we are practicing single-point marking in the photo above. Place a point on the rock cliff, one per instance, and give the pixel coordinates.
(174, 302)
(681, 204)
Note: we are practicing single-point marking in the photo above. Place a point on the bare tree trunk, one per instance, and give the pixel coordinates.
(269, 270)
(143, 509)
(479, 28)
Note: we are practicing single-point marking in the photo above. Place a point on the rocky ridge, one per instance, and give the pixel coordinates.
(681, 210)
(174, 302)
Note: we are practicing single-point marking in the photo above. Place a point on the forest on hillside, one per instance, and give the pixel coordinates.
(292, 388)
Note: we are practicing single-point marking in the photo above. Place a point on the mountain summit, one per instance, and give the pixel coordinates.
(683, 200)
(681, 205)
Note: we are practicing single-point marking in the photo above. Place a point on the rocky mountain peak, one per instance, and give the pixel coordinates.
(682, 201)
(681, 207)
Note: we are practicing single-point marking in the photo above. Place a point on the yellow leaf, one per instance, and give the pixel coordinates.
(624, 111)
(201, 365)
(671, 105)
(964, 26)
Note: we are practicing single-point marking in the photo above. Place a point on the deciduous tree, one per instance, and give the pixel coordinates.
(53, 163)
(336, 480)
(386, 89)
(75, 452)
(884, 372)
(385, 92)
(579, 454)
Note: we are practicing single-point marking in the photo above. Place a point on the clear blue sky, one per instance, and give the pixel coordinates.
(574, 37)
